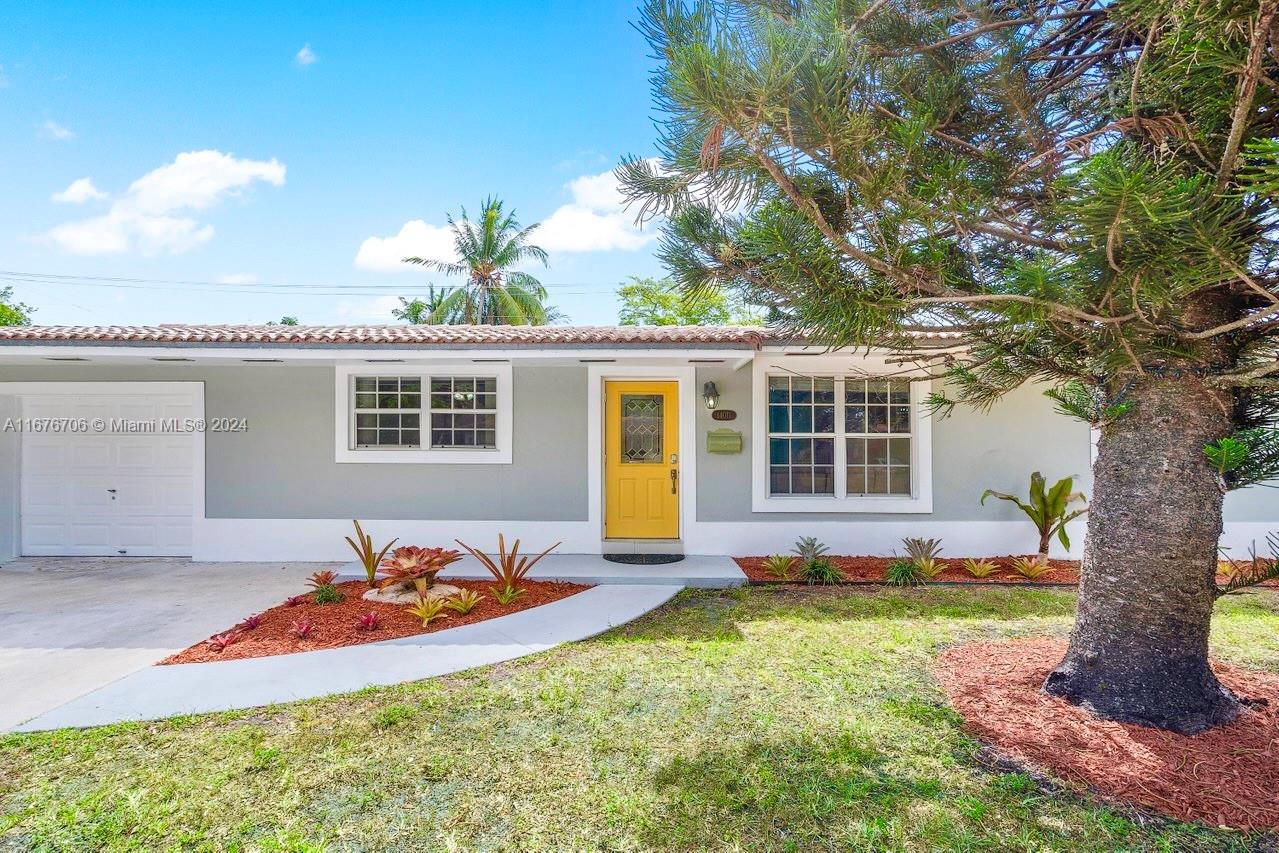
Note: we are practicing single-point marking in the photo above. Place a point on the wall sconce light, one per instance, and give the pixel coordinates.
(711, 395)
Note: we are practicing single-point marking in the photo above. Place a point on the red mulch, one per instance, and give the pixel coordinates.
(871, 570)
(335, 623)
(866, 569)
(1227, 776)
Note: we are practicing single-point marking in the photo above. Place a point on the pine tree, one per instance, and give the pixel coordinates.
(1085, 188)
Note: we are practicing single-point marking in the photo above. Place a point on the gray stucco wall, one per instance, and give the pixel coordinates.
(972, 452)
(9, 484)
(283, 466)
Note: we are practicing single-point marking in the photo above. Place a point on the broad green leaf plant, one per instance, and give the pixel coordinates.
(1048, 508)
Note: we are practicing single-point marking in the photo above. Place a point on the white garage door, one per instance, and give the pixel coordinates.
(108, 493)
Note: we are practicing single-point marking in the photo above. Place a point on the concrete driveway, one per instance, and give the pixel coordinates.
(69, 625)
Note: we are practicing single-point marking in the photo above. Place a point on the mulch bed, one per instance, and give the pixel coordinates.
(1227, 776)
(335, 624)
(871, 570)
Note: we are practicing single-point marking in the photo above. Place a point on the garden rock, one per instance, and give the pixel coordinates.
(403, 595)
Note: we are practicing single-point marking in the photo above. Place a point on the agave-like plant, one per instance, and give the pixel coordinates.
(1048, 508)
(1031, 568)
(412, 566)
(980, 568)
(464, 602)
(930, 567)
(506, 594)
(319, 579)
(780, 566)
(809, 549)
(427, 609)
(368, 621)
(509, 569)
(918, 549)
(370, 557)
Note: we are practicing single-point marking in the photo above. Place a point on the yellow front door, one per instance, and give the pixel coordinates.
(641, 460)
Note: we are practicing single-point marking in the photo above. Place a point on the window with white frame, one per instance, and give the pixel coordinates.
(464, 411)
(838, 436)
(388, 411)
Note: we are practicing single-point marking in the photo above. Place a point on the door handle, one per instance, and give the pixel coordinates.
(674, 480)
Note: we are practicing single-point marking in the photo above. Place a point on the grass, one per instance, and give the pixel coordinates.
(765, 718)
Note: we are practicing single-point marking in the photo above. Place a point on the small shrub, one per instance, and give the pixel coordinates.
(507, 594)
(302, 628)
(1048, 507)
(509, 569)
(327, 594)
(922, 549)
(295, 600)
(253, 620)
(368, 621)
(464, 602)
(219, 642)
(809, 549)
(780, 566)
(319, 579)
(428, 610)
(930, 567)
(1031, 568)
(820, 571)
(903, 572)
(370, 557)
(980, 568)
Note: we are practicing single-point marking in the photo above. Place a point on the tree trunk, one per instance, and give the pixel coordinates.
(1139, 649)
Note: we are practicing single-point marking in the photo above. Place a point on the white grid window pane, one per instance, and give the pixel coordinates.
(388, 411)
(877, 429)
(463, 412)
(801, 435)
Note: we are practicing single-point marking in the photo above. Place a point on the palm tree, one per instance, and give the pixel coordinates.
(494, 293)
(417, 311)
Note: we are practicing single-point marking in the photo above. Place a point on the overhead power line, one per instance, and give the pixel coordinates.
(265, 288)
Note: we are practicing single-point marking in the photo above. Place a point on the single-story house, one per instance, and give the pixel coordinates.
(263, 442)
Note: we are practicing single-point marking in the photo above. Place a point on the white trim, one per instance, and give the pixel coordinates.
(193, 389)
(320, 539)
(921, 499)
(686, 377)
(343, 376)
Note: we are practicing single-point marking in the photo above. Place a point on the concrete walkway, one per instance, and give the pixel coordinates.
(65, 630)
(163, 691)
(695, 571)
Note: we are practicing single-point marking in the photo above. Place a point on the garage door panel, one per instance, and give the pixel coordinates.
(108, 493)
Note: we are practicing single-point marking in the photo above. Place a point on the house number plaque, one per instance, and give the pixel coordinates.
(724, 415)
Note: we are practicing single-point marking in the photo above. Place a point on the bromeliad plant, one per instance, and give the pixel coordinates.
(1049, 509)
(326, 591)
(509, 569)
(1032, 568)
(980, 568)
(319, 579)
(411, 566)
(368, 621)
(780, 566)
(464, 602)
(428, 610)
(302, 628)
(253, 620)
(809, 549)
(369, 556)
(921, 549)
(219, 642)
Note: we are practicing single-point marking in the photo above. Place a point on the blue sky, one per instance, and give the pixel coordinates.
(257, 146)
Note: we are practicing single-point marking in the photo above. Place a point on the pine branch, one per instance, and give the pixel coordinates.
(1247, 91)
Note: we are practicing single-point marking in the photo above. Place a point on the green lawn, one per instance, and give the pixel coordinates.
(752, 719)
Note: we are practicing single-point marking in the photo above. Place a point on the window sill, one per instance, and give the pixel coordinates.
(424, 456)
(834, 505)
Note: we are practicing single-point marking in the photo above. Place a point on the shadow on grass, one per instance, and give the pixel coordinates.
(718, 615)
(792, 792)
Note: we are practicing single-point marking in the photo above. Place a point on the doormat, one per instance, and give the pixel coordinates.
(644, 559)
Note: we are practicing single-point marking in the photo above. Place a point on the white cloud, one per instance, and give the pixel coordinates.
(238, 278)
(306, 56)
(369, 311)
(79, 191)
(595, 221)
(147, 217)
(52, 130)
(416, 238)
